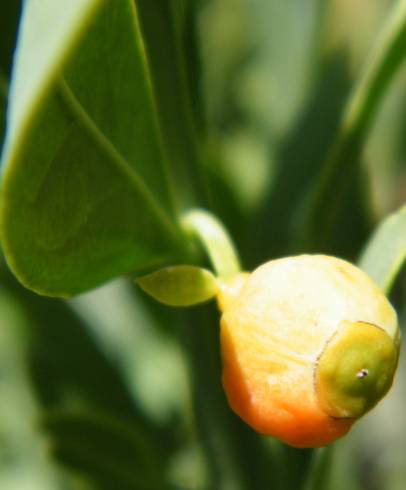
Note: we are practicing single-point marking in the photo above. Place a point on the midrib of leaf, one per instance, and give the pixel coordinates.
(112, 154)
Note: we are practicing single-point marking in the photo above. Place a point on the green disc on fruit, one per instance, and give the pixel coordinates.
(355, 369)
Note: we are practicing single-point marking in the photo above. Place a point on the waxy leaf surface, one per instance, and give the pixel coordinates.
(85, 194)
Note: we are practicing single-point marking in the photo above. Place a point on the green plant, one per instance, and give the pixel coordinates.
(122, 119)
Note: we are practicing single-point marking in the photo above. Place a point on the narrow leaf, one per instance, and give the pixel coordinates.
(385, 253)
(181, 285)
(85, 193)
(329, 193)
(106, 449)
(10, 13)
(83, 398)
(164, 24)
(67, 359)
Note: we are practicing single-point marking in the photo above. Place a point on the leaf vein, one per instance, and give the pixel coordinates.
(114, 156)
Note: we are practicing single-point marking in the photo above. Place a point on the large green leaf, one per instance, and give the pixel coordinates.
(85, 192)
(385, 253)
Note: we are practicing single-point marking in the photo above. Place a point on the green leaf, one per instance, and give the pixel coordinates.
(329, 193)
(72, 378)
(126, 462)
(9, 20)
(300, 160)
(3, 103)
(85, 193)
(66, 359)
(10, 12)
(181, 285)
(385, 252)
(165, 25)
(22, 459)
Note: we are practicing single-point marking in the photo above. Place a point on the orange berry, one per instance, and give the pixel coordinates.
(309, 344)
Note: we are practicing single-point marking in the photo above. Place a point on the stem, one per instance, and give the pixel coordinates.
(319, 474)
(358, 116)
(297, 468)
(237, 457)
(215, 240)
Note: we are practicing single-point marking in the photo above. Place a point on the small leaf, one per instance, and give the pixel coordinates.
(182, 285)
(385, 253)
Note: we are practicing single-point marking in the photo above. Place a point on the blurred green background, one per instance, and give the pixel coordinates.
(102, 391)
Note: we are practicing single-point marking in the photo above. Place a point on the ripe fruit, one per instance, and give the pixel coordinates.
(309, 344)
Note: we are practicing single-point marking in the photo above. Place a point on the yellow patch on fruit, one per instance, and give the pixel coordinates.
(309, 344)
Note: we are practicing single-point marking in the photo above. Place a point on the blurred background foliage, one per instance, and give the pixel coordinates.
(112, 391)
